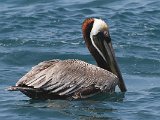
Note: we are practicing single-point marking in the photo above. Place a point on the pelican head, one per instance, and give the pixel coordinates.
(98, 40)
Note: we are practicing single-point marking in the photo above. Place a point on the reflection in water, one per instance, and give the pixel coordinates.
(101, 106)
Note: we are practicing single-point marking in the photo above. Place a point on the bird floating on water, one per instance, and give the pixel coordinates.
(63, 79)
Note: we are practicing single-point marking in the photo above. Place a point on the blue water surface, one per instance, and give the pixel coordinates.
(32, 31)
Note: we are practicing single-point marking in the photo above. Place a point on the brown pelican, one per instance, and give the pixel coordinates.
(62, 79)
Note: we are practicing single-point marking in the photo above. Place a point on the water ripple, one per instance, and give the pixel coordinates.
(34, 31)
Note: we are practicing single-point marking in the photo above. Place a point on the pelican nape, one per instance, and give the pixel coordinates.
(62, 79)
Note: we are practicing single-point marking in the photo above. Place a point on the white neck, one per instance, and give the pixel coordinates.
(98, 26)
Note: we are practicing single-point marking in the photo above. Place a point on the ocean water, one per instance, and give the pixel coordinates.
(32, 31)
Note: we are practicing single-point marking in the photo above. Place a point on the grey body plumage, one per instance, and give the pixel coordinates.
(65, 79)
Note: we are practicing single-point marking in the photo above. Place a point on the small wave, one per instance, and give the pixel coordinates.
(155, 89)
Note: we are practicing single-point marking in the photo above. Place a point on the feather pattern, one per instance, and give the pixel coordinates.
(68, 77)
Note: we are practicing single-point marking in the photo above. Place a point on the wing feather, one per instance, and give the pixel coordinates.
(68, 76)
(36, 73)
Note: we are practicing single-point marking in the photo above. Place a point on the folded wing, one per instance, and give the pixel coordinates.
(68, 78)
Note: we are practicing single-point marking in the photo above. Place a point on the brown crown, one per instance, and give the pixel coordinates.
(86, 29)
